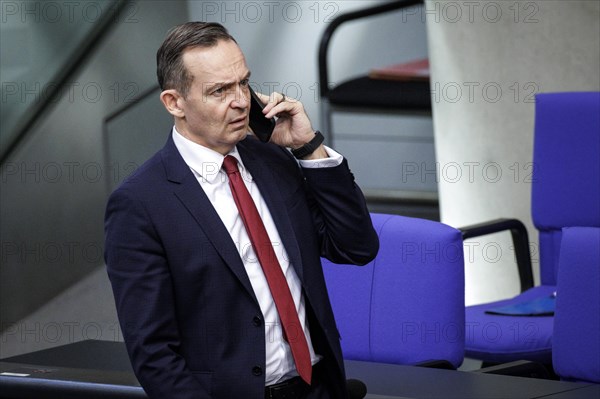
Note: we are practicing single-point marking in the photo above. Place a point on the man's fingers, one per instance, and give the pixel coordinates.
(281, 104)
(280, 110)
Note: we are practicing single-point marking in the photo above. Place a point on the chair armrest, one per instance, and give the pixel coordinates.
(520, 241)
(350, 16)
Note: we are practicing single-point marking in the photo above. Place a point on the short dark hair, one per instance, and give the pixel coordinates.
(170, 70)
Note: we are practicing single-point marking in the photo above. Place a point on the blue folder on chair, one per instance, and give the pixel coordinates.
(543, 306)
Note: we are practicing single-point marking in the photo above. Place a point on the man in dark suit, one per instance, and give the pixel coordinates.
(197, 311)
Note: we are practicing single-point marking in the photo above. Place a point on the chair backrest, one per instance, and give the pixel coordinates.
(566, 170)
(407, 305)
(576, 342)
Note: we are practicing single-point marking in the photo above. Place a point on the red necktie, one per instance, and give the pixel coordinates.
(263, 248)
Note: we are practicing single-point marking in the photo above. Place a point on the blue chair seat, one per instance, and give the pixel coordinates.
(564, 192)
(511, 337)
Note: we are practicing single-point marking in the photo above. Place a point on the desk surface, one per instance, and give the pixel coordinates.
(423, 383)
(101, 369)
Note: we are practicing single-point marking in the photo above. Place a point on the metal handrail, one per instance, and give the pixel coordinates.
(350, 16)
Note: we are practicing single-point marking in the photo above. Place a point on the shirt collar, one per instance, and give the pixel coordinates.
(204, 161)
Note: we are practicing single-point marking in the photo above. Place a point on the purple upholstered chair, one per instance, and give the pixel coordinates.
(576, 346)
(407, 305)
(565, 192)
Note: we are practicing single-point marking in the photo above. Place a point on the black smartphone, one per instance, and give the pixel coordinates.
(261, 127)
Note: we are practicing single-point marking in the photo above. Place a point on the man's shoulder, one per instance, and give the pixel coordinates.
(146, 176)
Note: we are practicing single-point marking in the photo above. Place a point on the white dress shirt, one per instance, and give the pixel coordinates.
(206, 166)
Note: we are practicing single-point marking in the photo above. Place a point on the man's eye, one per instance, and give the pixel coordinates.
(218, 91)
(245, 82)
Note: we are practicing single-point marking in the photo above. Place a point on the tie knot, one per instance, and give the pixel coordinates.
(230, 164)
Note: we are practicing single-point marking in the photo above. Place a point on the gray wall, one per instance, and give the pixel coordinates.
(488, 60)
(53, 287)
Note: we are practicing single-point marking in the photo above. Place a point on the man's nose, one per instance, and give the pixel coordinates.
(242, 98)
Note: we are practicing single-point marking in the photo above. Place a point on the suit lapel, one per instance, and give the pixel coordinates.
(187, 189)
(266, 182)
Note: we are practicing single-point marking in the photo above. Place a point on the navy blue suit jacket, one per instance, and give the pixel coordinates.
(191, 322)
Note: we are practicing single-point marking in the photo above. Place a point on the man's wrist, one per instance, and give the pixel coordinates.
(310, 147)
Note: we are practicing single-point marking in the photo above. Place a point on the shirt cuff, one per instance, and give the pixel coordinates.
(334, 159)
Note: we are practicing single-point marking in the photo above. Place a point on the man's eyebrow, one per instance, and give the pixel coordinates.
(211, 85)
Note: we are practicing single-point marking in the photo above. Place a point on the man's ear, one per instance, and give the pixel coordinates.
(172, 101)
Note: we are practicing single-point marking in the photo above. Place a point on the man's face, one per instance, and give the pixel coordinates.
(216, 109)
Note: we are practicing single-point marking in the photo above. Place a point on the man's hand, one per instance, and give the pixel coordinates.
(293, 128)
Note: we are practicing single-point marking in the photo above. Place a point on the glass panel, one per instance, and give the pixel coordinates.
(37, 39)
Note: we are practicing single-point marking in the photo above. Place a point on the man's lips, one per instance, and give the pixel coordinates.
(240, 119)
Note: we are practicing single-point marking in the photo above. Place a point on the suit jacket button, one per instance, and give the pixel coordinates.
(257, 370)
(257, 321)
